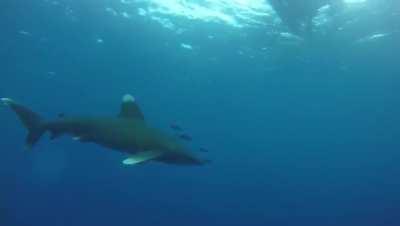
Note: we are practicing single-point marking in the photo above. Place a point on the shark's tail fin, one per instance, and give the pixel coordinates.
(32, 121)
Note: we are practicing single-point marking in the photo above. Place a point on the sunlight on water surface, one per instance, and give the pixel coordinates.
(237, 13)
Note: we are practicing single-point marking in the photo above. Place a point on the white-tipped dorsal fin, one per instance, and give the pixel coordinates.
(141, 157)
(128, 98)
(129, 108)
(7, 101)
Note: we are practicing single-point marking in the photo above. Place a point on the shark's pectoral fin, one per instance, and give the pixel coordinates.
(141, 157)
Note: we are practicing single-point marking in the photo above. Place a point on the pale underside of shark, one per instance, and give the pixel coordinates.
(128, 133)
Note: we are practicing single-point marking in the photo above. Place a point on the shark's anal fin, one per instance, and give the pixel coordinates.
(130, 109)
(141, 157)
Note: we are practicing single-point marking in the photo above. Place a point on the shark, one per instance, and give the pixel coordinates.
(127, 132)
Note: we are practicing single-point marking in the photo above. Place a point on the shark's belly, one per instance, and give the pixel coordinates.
(130, 139)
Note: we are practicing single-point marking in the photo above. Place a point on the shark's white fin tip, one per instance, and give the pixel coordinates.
(128, 98)
(7, 101)
(129, 161)
(76, 138)
(141, 157)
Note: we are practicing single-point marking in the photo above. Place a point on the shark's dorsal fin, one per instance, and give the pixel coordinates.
(129, 108)
(141, 157)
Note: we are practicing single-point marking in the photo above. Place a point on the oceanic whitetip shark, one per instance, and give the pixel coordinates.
(128, 132)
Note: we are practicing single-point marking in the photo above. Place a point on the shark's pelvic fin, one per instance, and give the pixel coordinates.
(130, 109)
(82, 139)
(141, 157)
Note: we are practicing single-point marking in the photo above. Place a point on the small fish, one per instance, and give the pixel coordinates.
(203, 150)
(185, 137)
(22, 32)
(61, 115)
(175, 127)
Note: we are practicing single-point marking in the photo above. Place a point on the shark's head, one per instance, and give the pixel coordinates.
(177, 153)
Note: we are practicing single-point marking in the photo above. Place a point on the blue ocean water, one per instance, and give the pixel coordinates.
(302, 127)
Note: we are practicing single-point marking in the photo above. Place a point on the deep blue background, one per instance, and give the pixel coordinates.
(297, 140)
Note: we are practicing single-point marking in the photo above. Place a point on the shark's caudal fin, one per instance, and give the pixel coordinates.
(31, 121)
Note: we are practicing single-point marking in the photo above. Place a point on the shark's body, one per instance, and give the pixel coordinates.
(128, 133)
